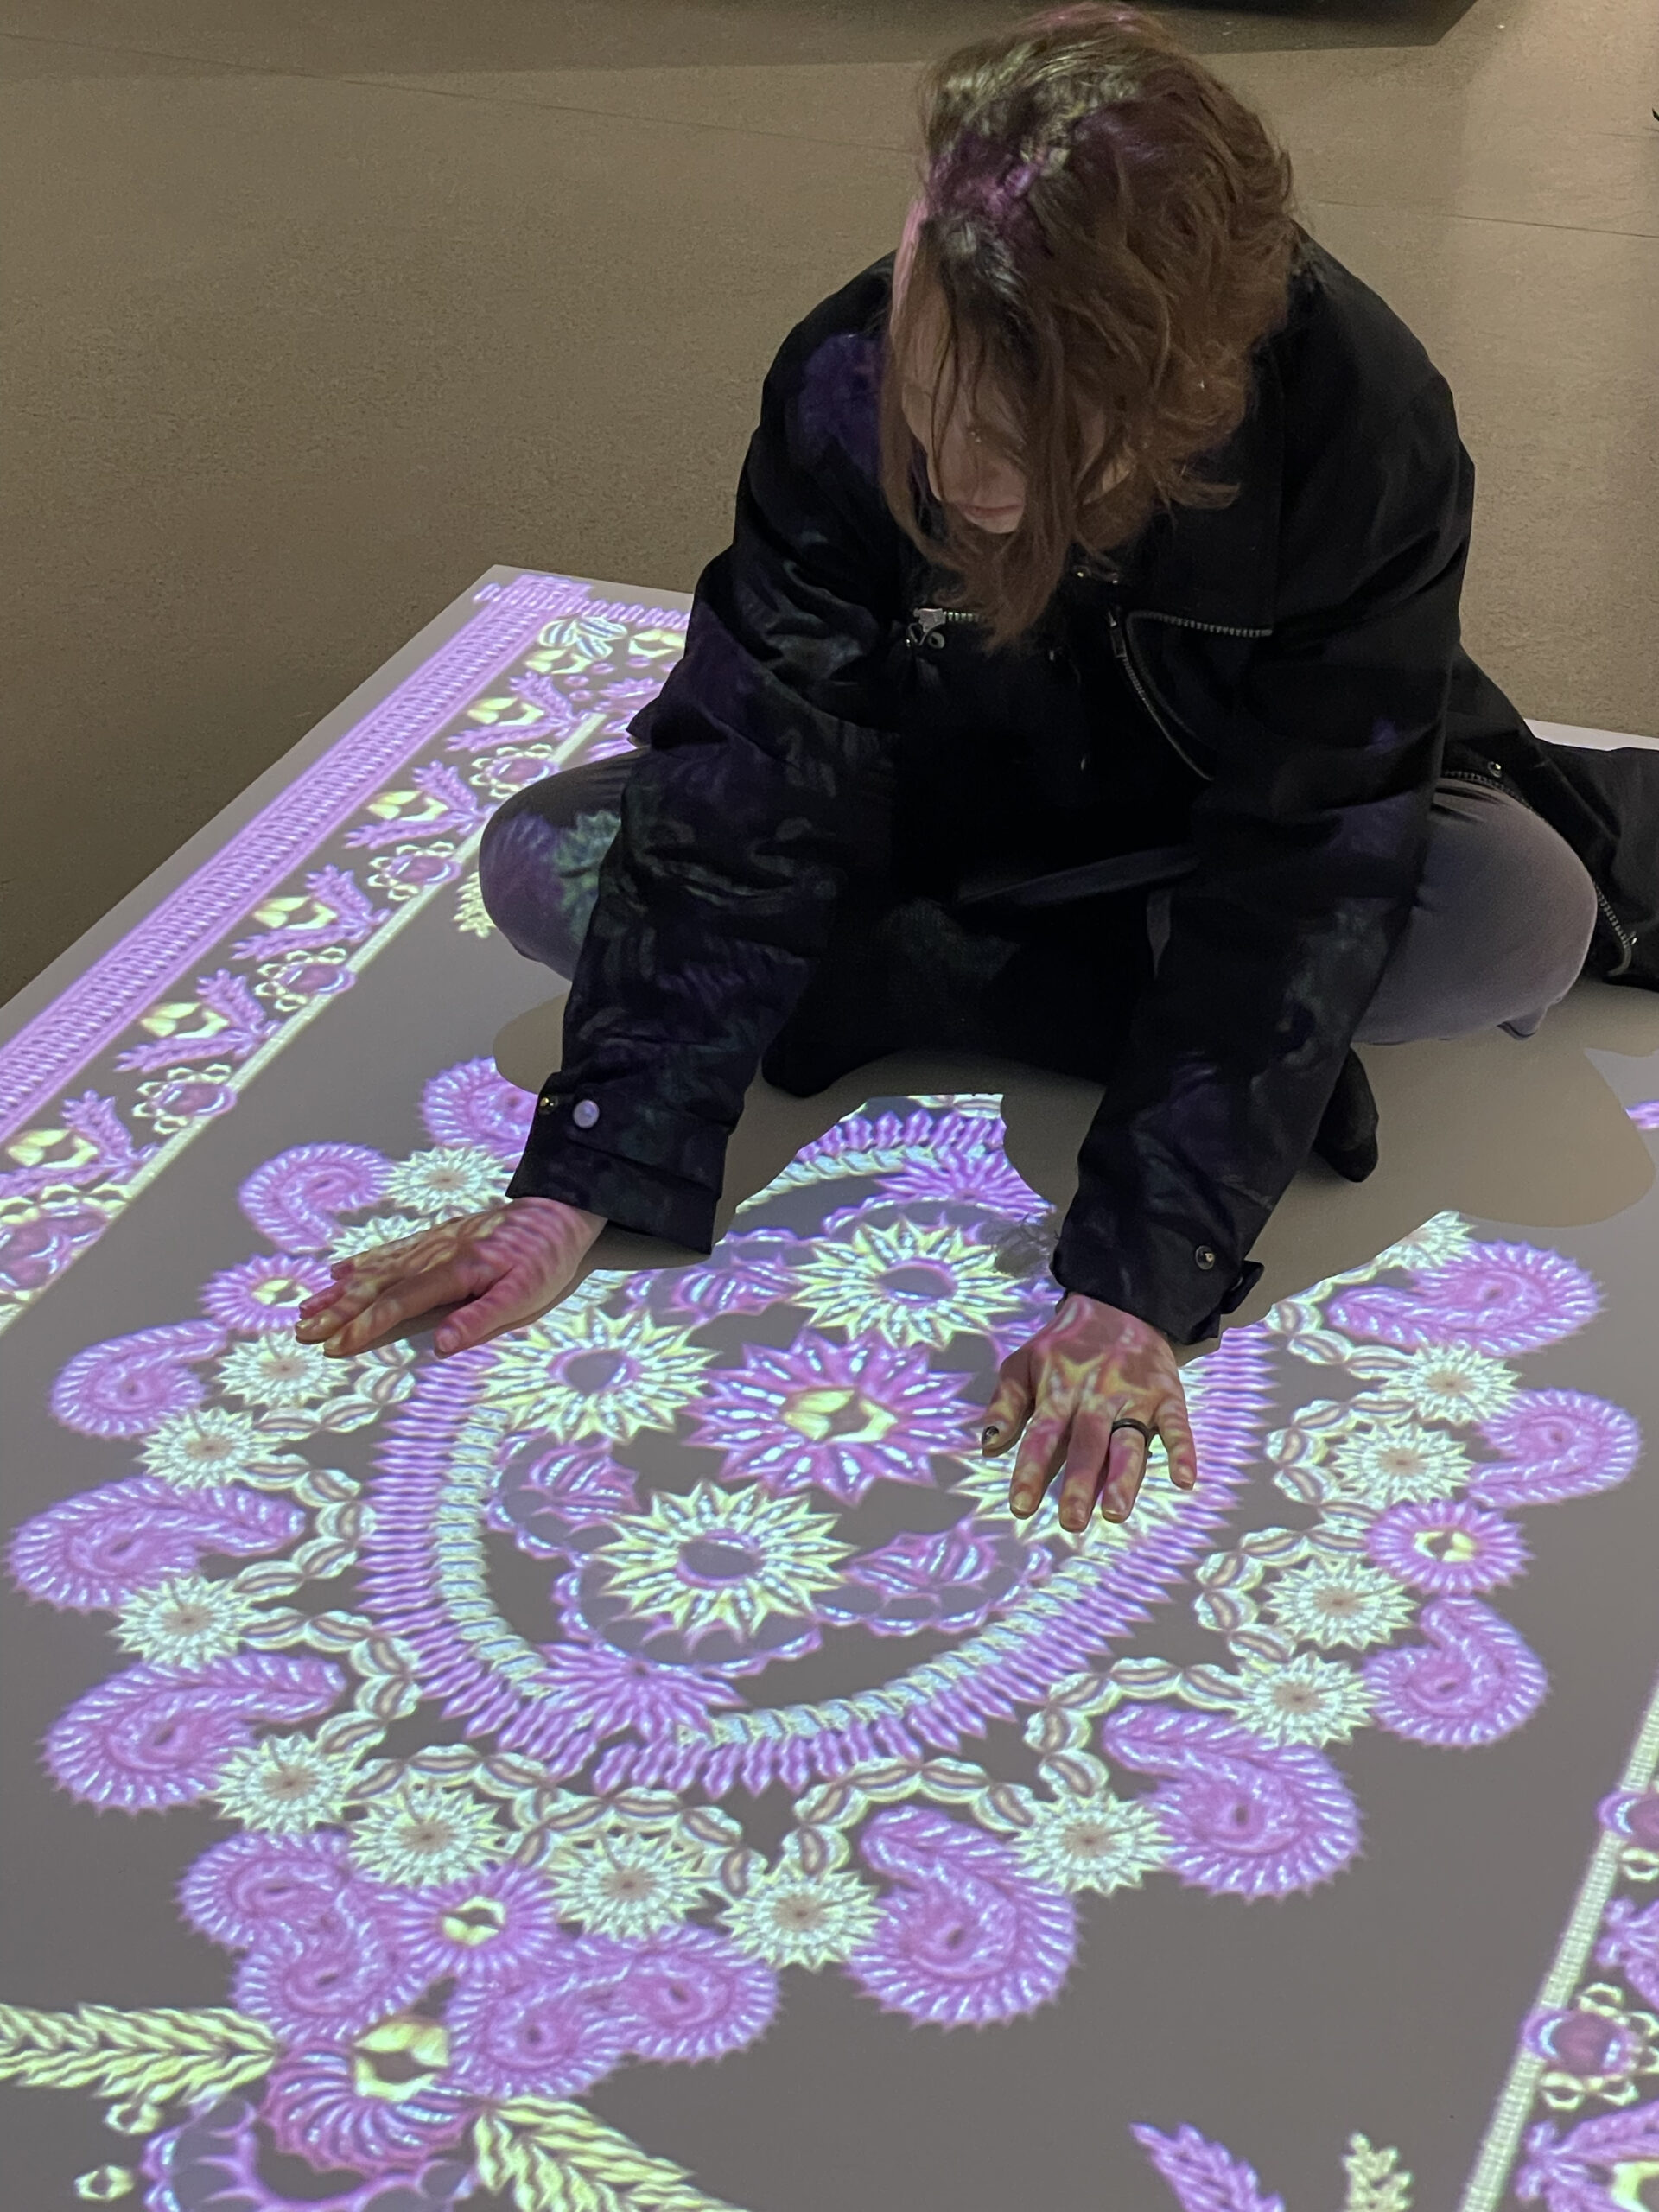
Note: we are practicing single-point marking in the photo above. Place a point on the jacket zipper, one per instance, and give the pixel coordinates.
(1118, 630)
(1622, 937)
(928, 625)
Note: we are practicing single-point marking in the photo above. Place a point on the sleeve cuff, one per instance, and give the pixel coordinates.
(1163, 1276)
(644, 1199)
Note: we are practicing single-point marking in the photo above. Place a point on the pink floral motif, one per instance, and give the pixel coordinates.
(152, 1737)
(963, 1164)
(531, 2037)
(342, 916)
(251, 1889)
(1630, 1941)
(456, 810)
(326, 1983)
(473, 1104)
(184, 1095)
(1447, 1546)
(413, 868)
(1577, 2171)
(967, 1937)
(296, 1198)
(315, 2111)
(1633, 1814)
(491, 1927)
(94, 1550)
(1243, 1818)
(99, 1151)
(1201, 2176)
(1555, 1444)
(690, 1995)
(240, 1024)
(1495, 1299)
(1472, 1680)
(1589, 2046)
(548, 1499)
(125, 1385)
(263, 1293)
(749, 1270)
(216, 2158)
(35, 1252)
(836, 1416)
(955, 1579)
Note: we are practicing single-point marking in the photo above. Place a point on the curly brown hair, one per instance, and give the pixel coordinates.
(1108, 234)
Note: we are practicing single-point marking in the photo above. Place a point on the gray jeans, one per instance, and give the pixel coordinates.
(1498, 933)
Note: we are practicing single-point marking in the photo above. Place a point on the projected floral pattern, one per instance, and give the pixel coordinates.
(491, 1846)
(432, 1953)
(164, 1034)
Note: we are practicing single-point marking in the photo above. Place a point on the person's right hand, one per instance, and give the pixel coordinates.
(496, 1270)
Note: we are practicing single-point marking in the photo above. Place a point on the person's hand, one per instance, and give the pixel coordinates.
(1090, 1366)
(497, 1269)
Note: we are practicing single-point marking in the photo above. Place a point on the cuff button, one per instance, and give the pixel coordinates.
(584, 1113)
(1205, 1257)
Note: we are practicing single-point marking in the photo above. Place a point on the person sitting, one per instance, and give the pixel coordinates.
(1082, 684)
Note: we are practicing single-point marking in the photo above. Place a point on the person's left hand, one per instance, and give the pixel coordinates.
(1089, 1367)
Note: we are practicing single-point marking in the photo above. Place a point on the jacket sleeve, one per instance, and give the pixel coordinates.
(1310, 842)
(765, 783)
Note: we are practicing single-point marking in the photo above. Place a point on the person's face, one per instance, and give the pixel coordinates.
(980, 484)
(975, 480)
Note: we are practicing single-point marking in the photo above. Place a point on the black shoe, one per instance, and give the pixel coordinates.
(1347, 1137)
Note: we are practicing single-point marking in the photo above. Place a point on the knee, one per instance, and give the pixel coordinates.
(1499, 933)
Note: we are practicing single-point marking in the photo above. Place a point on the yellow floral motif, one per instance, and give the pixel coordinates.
(626, 1886)
(581, 1372)
(713, 1559)
(790, 1918)
(907, 1282)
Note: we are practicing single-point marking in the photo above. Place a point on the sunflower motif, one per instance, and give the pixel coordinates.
(1102, 1843)
(426, 1833)
(1302, 1701)
(714, 1561)
(582, 1372)
(186, 1621)
(790, 1918)
(1391, 1460)
(627, 1886)
(907, 1282)
(276, 1371)
(283, 1785)
(205, 1447)
(1453, 1383)
(1340, 1600)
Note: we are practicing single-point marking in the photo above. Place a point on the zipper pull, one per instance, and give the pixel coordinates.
(927, 627)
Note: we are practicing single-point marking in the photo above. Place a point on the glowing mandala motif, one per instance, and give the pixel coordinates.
(433, 1952)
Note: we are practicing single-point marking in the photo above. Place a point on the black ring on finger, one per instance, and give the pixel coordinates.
(1139, 1427)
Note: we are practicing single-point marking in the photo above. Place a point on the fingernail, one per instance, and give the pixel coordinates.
(988, 1436)
(1023, 1501)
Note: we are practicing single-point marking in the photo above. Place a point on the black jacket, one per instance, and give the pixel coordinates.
(1293, 656)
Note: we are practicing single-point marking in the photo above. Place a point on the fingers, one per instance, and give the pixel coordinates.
(1172, 1424)
(417, 1295)
(1125, 1471)
(1041, 1454)
(1086, 1461)
(1010, 1407)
